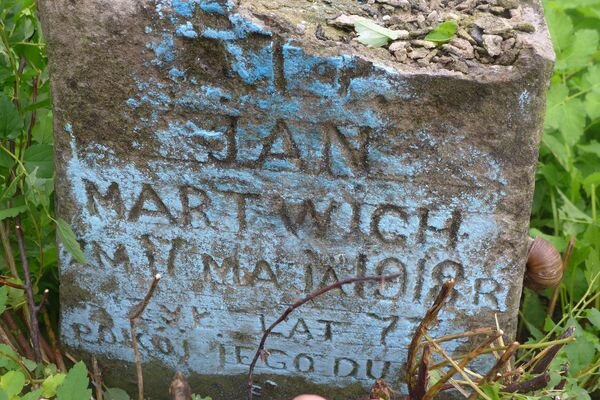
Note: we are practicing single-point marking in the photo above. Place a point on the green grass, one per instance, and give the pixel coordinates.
(566, 203)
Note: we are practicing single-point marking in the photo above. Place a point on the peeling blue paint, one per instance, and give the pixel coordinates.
(213, 8)
(164, 50)
(133, 103)
(183, 8)
(291, 130)
(252, 66)
(175, 73)
(186, 30)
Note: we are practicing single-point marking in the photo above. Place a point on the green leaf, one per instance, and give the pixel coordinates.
(3, 298)
(68, 239)
(16, 297)
(30, 365)
(548, 324)
(10, 121)
(571, 211)
(40, 156)
(23, 30)
(46, 103)
(6, 161)
(11, 189)
(584, 44)
(33, 53)
(116, 394)
(533, 313)
(592, 267)
(7, 357)
(581, 352)
(592, 179)
(75, 385)
(593, 315)
(12, 212)
(51, 383)
(38, 189)
(592, 78)
(42, 130)
(373, 35)
(593, 147)
(557, 149)
(566, 114)
(492, 390)
(577, 4)
(592, 105)
(557, 241)
(35, 395)
(560, 26)
(443, 33)
(12, 383)
(373, 39)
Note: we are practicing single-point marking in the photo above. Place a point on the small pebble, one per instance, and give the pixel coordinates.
(524, 27)
(401, 55)
(345, 21)
(492, 44)
(510, 4)
(497, 10)
(493, 25)
(476, 34)
(515, 13)
(419, 52)
(461, 33)
(397, 45)
(423, 43)
(466, 5)
(460, 66)
(508, 44)
(433, 18)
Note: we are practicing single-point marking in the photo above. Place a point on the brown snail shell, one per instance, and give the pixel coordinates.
(544, 265)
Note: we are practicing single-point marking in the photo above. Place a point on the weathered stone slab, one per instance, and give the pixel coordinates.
(250, 162)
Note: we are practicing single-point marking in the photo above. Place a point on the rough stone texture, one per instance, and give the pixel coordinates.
(226, 147)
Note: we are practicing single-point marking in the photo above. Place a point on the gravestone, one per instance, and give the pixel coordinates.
(252, 152)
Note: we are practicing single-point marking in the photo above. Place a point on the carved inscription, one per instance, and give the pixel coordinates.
(258, 175)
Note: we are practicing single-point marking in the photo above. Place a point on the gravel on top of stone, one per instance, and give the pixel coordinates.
(488, 30)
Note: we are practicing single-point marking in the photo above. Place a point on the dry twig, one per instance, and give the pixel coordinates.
(460, 366)
(423, 376)
(429, 319)
(134, 314)
(18, 335)
(60, 362)
(545, 361)
(97, 378)
(260, 352)
(529, 385)
(457, 368)
(33, 322)
(4, 281)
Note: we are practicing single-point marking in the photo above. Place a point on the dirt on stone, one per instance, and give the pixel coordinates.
(488, 30)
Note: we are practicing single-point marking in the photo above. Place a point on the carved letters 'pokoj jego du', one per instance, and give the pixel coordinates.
(251, 162)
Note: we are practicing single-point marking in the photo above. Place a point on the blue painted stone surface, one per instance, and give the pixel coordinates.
(253, 171)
